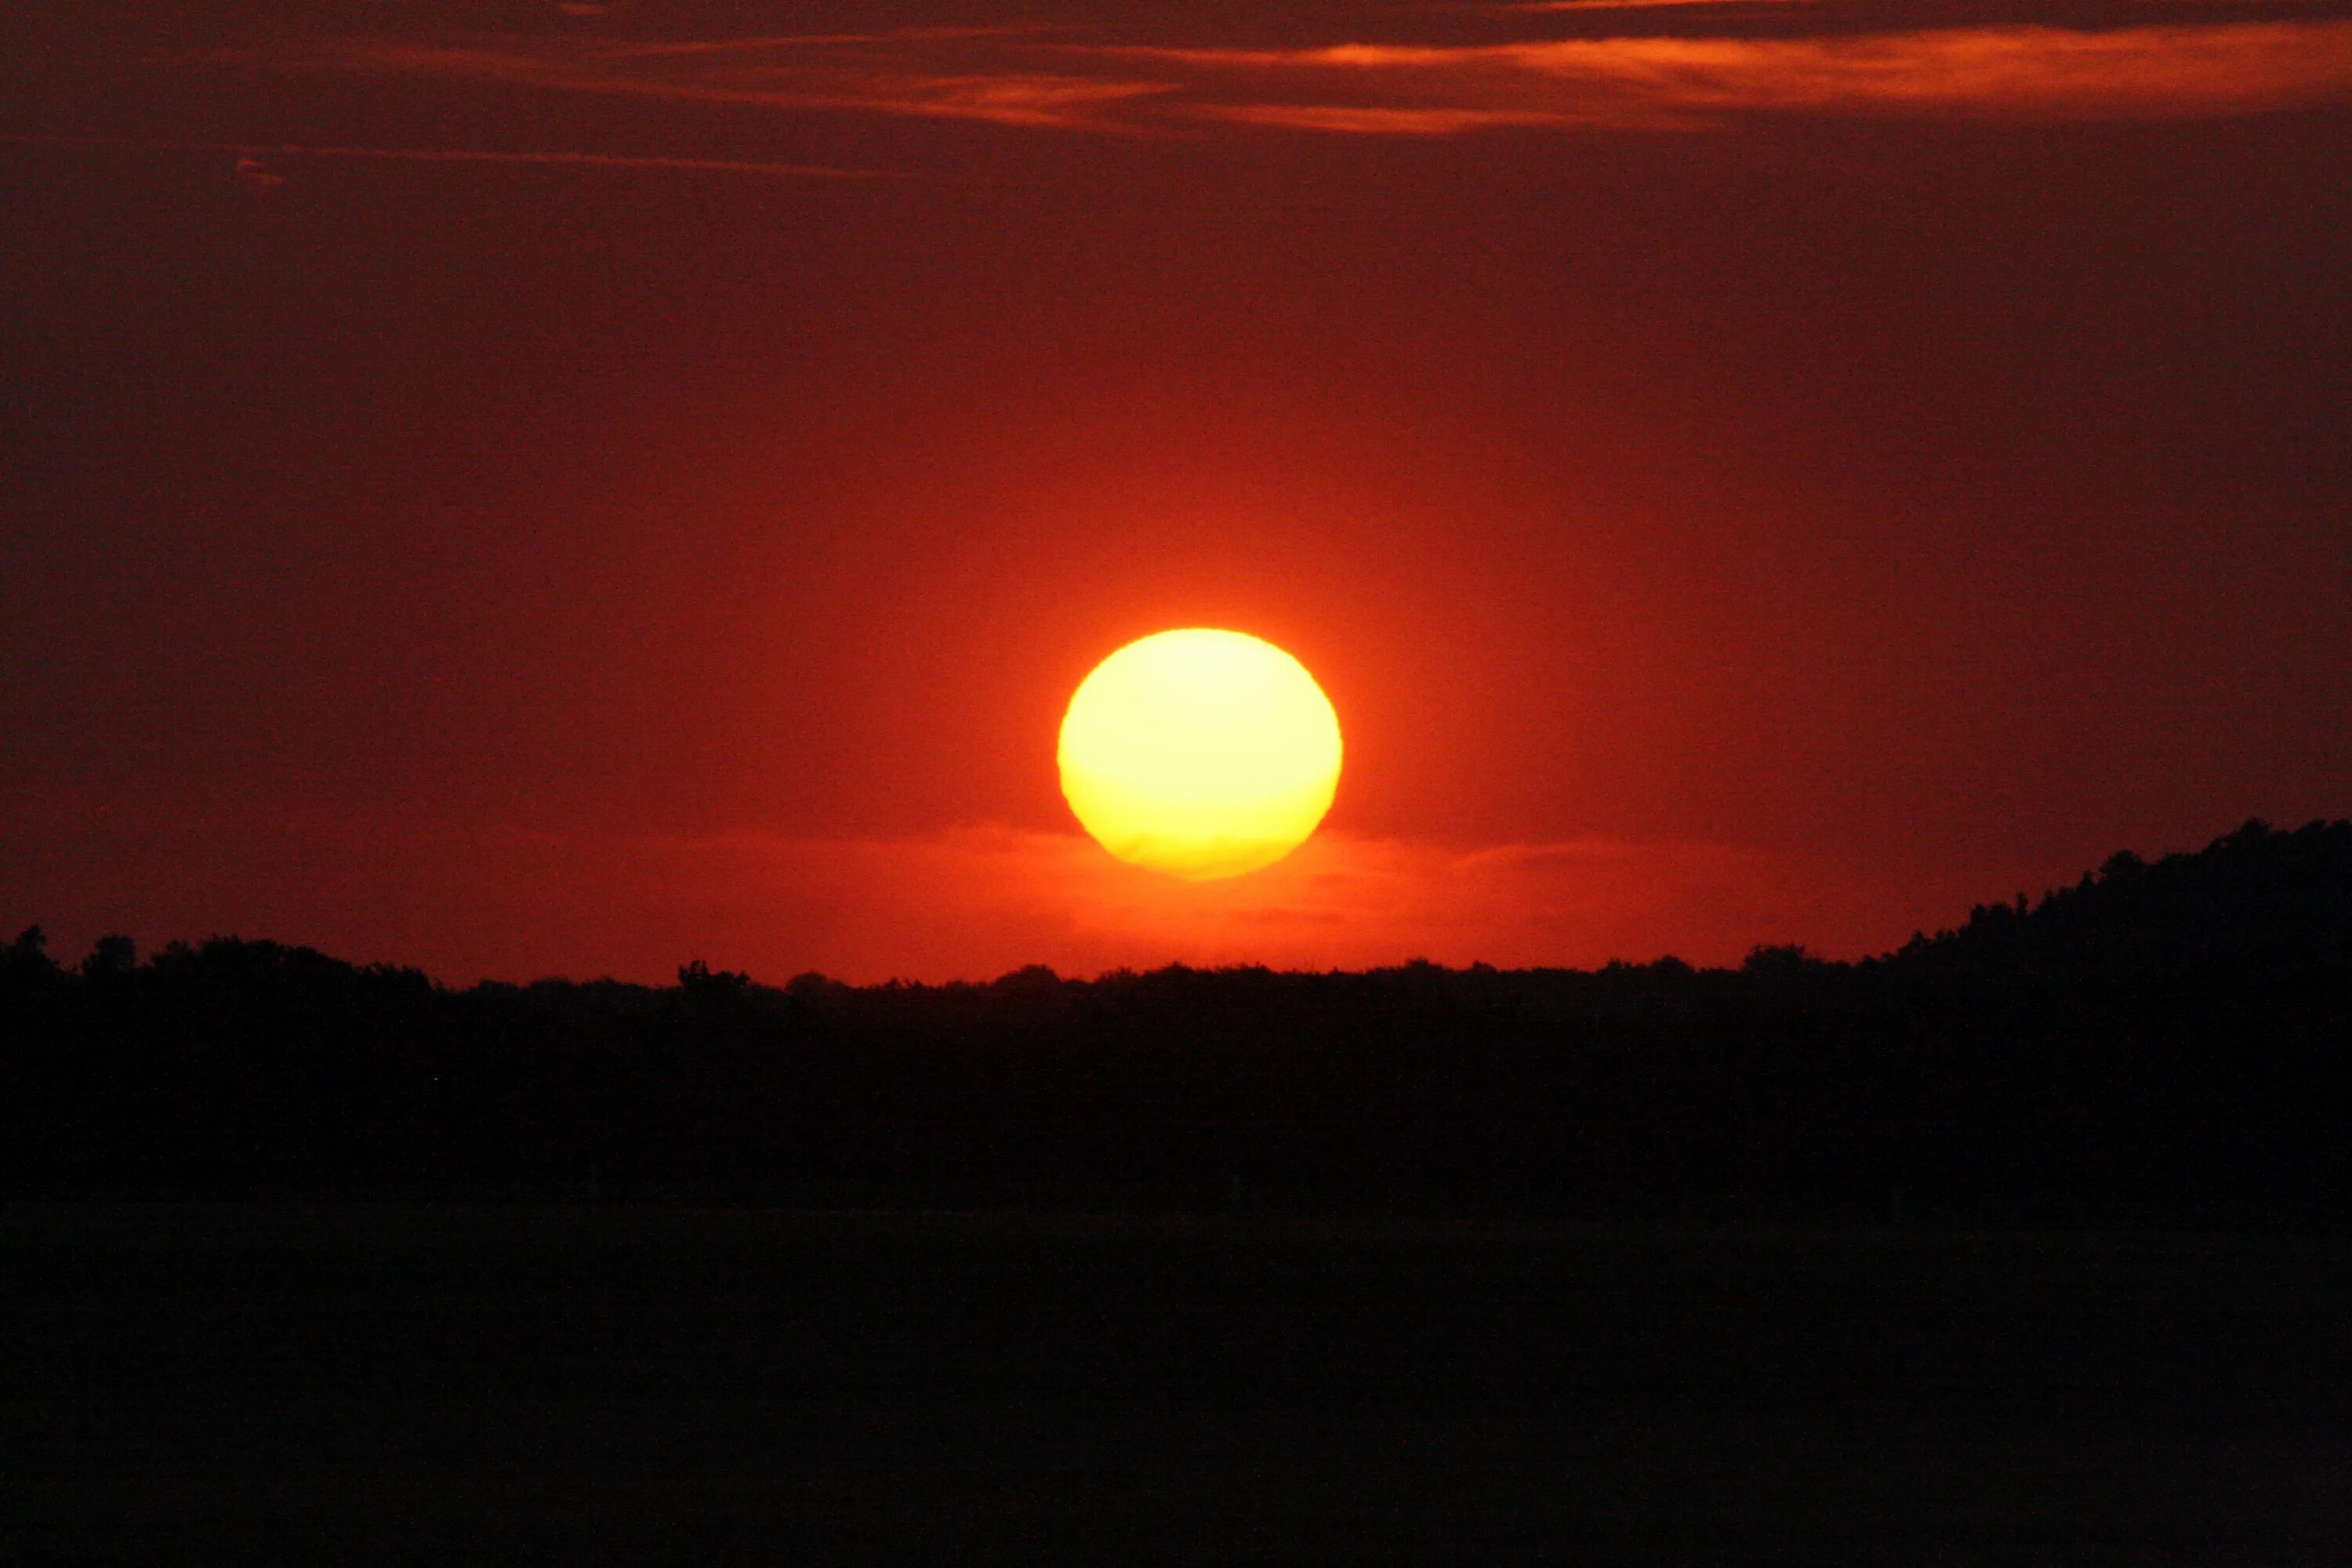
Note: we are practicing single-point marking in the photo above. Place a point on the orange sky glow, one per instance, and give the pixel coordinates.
(573, 489)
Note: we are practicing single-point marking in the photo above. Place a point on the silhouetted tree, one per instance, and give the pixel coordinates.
(703, 984)
(27, 960)
(2161, 1034)
(111, 959)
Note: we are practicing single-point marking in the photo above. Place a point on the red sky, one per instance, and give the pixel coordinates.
(531, 488)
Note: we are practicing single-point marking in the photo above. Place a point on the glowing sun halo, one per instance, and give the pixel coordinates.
(1201, 754)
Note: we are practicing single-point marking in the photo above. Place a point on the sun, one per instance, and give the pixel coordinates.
(1201, 754)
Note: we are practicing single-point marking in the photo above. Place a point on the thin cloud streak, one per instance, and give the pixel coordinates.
(2035, 73)
(1653, 80)
(975, 901)
(1549, 6)
(788, 41)
(472, 900)
(1376, 122)
(1002, 95)
(256, 150)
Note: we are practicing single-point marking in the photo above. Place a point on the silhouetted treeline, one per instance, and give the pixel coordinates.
(2172, 1036)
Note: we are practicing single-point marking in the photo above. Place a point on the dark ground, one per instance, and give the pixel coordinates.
(455, 1384)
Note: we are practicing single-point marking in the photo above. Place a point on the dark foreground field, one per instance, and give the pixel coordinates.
(363, 1385)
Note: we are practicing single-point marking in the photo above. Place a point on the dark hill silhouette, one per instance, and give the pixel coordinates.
(2163, 1039)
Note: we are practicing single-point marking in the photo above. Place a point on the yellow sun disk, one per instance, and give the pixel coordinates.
(1202, 753)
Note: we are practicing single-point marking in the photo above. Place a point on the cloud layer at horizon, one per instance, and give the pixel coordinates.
(967, 902)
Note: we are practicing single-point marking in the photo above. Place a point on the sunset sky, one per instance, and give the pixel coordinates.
(539, 489)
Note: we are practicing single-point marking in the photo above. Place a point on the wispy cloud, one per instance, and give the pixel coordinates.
(1607, 64)
(979, 900)
(1617, 64)
(1657, 77)
(1552, 5)
(769, 43)
(1376, 121)
(255, 176)
(919, 75)
(2028, 72)
(469, 900)
(252, 167)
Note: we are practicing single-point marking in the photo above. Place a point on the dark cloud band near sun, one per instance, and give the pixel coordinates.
(1652, 77)
(987, 899)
